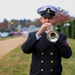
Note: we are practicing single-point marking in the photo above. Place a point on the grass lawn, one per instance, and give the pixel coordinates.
(69, 64)
(18, 63)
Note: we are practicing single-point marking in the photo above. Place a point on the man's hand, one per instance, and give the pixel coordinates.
(43, 28)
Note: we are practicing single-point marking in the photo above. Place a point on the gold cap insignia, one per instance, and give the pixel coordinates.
(48, 10)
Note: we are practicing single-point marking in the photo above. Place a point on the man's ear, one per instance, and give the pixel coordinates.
(53, 20)
(40, 19)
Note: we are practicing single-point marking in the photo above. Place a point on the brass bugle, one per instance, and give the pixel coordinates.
(52, 35)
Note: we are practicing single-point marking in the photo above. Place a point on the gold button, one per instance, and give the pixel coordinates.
(51, 61)
(42, 53)
(41, 69)
(51, 53)
(51, 69)
(41, 61)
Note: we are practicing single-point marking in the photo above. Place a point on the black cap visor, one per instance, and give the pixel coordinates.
(48, 15)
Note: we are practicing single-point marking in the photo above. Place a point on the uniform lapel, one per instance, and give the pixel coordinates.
(43, 43)
(46, 43)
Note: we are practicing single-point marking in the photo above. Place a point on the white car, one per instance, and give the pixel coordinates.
(4, 34)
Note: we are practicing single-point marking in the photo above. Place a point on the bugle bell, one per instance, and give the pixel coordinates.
(52, 35)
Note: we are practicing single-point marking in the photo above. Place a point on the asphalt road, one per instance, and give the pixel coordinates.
(8, 45)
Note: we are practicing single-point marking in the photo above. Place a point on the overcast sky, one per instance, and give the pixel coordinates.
(26, 9)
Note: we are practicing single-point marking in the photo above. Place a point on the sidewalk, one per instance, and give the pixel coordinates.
(8, 45)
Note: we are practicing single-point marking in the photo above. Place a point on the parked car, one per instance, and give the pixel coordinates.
(4, 34)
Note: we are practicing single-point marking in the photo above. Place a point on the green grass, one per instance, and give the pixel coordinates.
(15, 63)
(69, 64)
(18, 63)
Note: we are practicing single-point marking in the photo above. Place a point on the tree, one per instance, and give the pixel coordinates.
(62, 16)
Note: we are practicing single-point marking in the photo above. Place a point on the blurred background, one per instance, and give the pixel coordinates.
(18, 18)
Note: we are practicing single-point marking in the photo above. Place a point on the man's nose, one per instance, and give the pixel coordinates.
(47, 20)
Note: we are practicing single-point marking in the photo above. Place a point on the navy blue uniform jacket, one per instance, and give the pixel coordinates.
(46, 56)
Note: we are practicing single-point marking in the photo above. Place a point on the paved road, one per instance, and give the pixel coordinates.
(8, 45)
